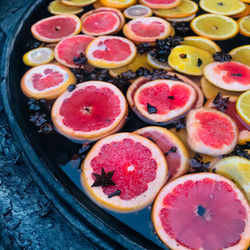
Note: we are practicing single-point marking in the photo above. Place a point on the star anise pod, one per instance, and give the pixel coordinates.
(34, 105)
(198, 165)
(104, 179)
(177, 123)
(33, 44)
(220, 102)
(46, 128)
(80, 60)
(222, 57)
(144, 47)
(241, 150)
(38, 119)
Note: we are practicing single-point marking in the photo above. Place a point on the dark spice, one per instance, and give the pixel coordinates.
(33, 44)
(183, 56)
(222, 57)
(38, 119)
(104, 179)
(178, 123)
(198, 165)
(117, 192)
(171, 97)
(221, 4)
(171, 150)
(220, 102)
(71, 87)
(237, 74)
(151, 109)
(199, 62)
(34, 105)
(80, 60)
(182, 28)
(144, 47)
(46, 128)
(241, 150)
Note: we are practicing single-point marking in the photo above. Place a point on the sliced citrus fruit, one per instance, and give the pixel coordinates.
(163, 100)
(215, 27)
(189, 60)
(79, 3)
(244, 24)
(201, 43)
(136, 168)
(155, 63)
(237, 169)
(233, 76)
(46, 81)
(110, 52)
(161, 4)
(38, 56)
(58, 8)
(138, 61)
(182, 19)
(147, 29)
(211, 132)
(119, 4)
(243, 106)
(136, 11)
(71, 47)
(55, 28)
(172, 33)
(241, 54)
(97, 5)
(202, 211)
(243, 13)
(186, 8)
(224, 7)
(245, 1)
(173, 149)
(91, 111)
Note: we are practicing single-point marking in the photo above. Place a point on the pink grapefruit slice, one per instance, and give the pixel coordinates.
(233, 76)
(137, 167)
(161, 4)
(91, 111)
(147, 29)
(46, 81)
(171, 146)
(110, 52)
(71, 47)
(55, 28)
(202, 211)
(211, 132)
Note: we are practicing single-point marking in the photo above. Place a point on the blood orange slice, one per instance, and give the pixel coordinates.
(46, 81)
(110, 52)
(70, 48)
(135, 170)
(232, 76)
(161, 4)
(202, 211)
(53, 29)
(91, 111)
(173, 149)
(163, 100)
(211, 132)
(147, 29)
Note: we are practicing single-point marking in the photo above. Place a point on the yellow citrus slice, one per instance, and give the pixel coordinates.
(182, 19)
(243, 13)
(186, 8)
(243, 106)
(201, 43)
(155, 63)
(241, 54)
(244, 24)
(237, 169)
(58, 8)
(223, 7)
(189, 60)
(215, 27)
(136, 11)
(38, 56)
(78, 3)
(119, 4)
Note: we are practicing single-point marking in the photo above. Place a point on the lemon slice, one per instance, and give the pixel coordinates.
(78, 3)
(157, 64)
(58, 8)
(136, 11)
(38, 56)
(244, 24)
(119, 4)
(237, 169)
(243, 106)
(241, 54)
(182, 19)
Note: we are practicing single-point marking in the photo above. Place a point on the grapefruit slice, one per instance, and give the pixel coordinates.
(136, 11)
(55, 28)
(70, 48)
(161, 4)
(202, 211)
(171, 146)
(46, 81)
(110, 52)
(147, 29)
(211, 132)
(163, 100)
(137, 168)
(233, 76)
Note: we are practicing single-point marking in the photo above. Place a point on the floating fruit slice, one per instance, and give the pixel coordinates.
(136, 11)
(161, 4)
(147, 29)
(70, 48)
(38, 56)
(215, 27)
(237, 169)
(139, 61)
(46, 81)
(91, 111)
(79, 3)
(211, 132)
(202, 211)
(119, 4)
(186, 8)
(201, 43)
(244, 24)
(241, 54)
(232, 76)
(155, 63)
(173, 149)
(135, 171)
(110, 52)
(243, 106)
(189, 60)
(58, 8)
(224, 7)
(182, 19)
(53, 29)
(163, 100)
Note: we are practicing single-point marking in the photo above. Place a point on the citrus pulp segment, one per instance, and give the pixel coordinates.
(243, 106)
(241, 54)
(244, 24)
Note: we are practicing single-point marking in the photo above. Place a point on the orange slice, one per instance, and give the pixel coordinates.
(243, 13)
(241, 54)
(119, 4)
(58, 8)
(136, 11)
(78, 3)
(244, 24)
(161, 4)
